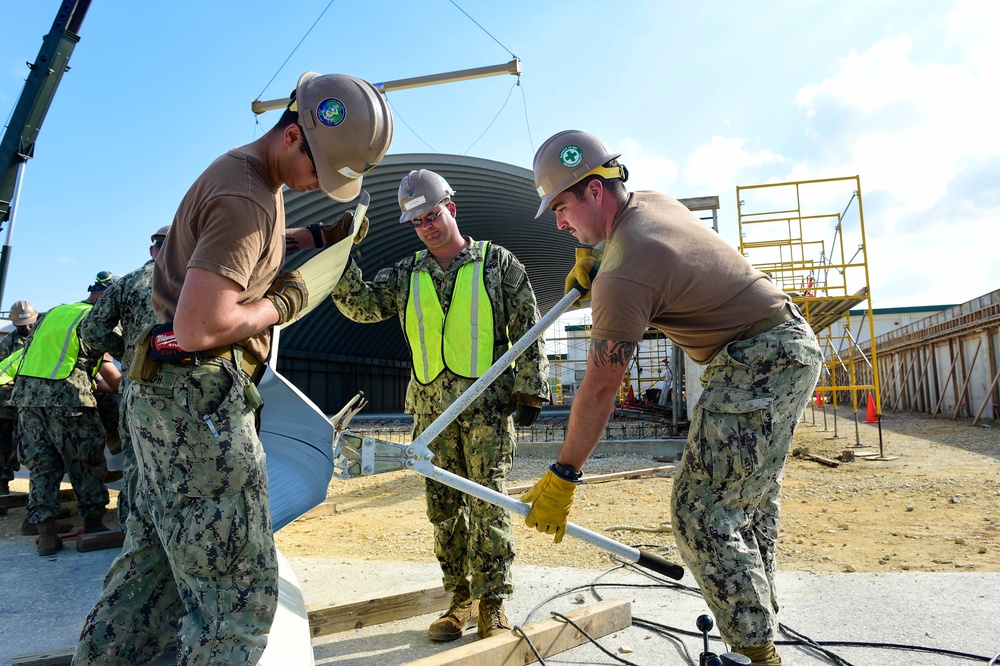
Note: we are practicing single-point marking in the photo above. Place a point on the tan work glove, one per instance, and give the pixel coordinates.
(588, 262)
(337, 231)
(289, 295)
(550, 500)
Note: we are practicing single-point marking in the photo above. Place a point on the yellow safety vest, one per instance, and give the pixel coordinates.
(9, 366)
(462, 340)
(54, 344)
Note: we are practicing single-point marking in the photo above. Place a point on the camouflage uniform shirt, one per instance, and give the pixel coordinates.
(120, 315)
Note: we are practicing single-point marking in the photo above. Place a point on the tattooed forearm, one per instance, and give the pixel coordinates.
(611, 352)
(291, 244)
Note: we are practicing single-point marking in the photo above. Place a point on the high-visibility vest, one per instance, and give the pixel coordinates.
(10, 365)
(462, 340)
(55, 345)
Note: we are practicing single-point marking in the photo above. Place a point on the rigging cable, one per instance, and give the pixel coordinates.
(483, 29)
(296, 47)
(492, 121)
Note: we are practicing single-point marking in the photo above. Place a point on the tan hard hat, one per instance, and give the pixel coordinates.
(567, 158)
(420, 191)
(23, 313)
(348, 127)
(160, 233)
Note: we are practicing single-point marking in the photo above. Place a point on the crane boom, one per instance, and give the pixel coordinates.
(44, 75)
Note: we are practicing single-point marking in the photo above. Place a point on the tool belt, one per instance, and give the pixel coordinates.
(147, 359)
(250, 363)
(780, 317)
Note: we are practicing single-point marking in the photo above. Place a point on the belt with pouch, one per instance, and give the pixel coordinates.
(250, 363)
(783, 314)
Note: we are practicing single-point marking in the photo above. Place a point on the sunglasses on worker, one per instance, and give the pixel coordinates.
(418, 222)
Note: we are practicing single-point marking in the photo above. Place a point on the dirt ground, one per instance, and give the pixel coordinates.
(933, 504)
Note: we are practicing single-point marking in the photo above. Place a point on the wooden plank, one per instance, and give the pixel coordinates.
(13, 501)
(603, 478)
(99, 541)
(549, 637)
(319, 511)
(359, 613)
(50, 658)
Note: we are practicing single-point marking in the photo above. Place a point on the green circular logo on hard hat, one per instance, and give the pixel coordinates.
(331, 112)
(570, 156)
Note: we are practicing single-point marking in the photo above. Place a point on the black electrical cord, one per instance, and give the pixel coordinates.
(592, 640)
(520, 632)
(673, 633)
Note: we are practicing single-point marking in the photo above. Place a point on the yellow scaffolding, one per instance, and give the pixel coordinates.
(793, 232)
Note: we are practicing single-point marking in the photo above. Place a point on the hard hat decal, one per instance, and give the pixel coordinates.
(413, 203)
(570, 156)
(331, 112)
(348, 172)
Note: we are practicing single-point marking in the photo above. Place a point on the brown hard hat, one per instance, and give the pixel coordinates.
(420, 191)
(567, 158)
(348, 128)
(23, 313)
(160, 233)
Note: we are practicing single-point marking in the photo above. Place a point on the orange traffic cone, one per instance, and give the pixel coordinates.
(872, 416)
(819, 399)
(631, 394)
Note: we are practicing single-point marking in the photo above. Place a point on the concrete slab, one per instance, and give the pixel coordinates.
(45, 600)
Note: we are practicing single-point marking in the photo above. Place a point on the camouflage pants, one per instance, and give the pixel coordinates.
(725, 505)
(63, 440)
(8, 449)
(473, 539)
(199, 554)
(126, 496)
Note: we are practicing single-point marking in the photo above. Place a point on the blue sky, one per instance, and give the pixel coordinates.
(698, 97)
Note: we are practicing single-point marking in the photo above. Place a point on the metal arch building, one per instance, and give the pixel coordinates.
(330, 358)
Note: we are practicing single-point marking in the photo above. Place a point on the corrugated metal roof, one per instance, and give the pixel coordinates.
(494, 201)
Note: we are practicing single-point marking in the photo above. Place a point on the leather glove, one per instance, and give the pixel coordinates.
(550, 500)
(337, 231)
(526, 409)
(289, 295)
(588, 262)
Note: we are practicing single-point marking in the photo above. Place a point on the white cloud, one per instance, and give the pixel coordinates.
(646, 171)
(717, 165)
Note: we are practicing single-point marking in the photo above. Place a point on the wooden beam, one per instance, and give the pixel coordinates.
(947, 381)
(323, 620)
(549, 637)
(963, 394)
(49, 658)
(319, 511)
(419, 600)
(99, 541)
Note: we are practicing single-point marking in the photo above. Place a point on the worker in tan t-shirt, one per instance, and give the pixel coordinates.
(662, 267)
(200, 556)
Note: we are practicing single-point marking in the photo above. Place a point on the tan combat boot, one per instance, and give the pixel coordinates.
(48, 542)
(29, 528)
(492, 619)
(459, 616)
(761, 655)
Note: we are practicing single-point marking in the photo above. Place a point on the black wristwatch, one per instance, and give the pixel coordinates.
(317, 234)
(566, 472)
